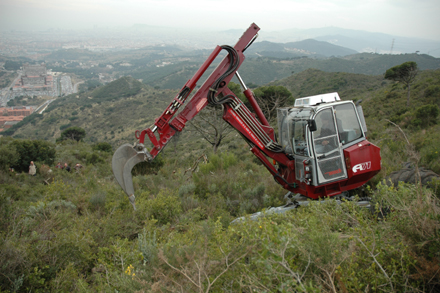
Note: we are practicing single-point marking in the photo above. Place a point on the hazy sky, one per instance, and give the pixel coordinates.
(412, 18)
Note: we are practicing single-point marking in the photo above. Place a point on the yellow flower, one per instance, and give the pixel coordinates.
(129, 269)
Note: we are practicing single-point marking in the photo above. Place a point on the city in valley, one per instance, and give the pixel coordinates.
(32, 75)
(36, 67)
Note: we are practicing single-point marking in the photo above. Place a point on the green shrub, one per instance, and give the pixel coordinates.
(416, 214)
(146, 168)
(8, 154)
(32, 150)
(426, 115)
(103, 146)
(97, 201)
(64, 126)
(431, 157)
(217, 162)
(165, 207)
(148, 247)
(44, 209)
(187, 189)
(94, 158)
(432, 91)
(73, 133)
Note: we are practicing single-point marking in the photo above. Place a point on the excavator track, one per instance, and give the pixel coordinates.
(298, 200)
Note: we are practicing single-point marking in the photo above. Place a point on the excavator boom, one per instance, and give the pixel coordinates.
(165, 126)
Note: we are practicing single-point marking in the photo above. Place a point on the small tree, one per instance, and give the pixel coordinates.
(74, 133)
(210, 124)
(32, 150)
(237, 90)
(270, 98)
(405, 72)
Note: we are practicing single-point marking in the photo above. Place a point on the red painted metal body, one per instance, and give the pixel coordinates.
(165, 129)
(362, 160)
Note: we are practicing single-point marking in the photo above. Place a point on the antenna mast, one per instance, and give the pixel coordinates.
(392, 45)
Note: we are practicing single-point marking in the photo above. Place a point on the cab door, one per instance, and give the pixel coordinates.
(327, 149)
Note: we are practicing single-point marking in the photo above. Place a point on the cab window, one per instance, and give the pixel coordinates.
(299, 137)
(348, 125)
(325, 138)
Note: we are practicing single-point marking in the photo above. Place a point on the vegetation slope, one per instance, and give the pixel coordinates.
(76, 231)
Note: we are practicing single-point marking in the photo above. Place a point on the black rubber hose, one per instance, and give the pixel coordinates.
(233, 65)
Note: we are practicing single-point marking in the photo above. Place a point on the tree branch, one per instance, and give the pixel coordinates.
(378, 264)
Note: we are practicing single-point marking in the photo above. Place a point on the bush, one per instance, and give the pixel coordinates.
(97, 201)
(416, 214)
(32, 150)
(64, 126)
(8, 154)
(94, 158)
(73, 133)
(165, 207)
(432, 91)
(146, 168)
(187, 189)
(148, 247)
(218, 162)
(103, 146)
(426, 115)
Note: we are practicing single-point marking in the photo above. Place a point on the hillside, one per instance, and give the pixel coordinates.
(77, 232)
(110, 113)
(349, 86)
(366, 63)
(113, 113)
(262, 70)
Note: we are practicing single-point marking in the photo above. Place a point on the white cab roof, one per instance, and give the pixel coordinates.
(318, 99)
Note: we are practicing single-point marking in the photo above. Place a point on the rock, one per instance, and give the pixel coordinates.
(408, 175)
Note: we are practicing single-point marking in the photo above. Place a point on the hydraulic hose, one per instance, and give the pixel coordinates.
(233, 65)
(235, 104)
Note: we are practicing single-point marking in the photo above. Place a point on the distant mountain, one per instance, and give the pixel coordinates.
(361, 41)
(263, 70)
(267, 62)
(321, 48)
(309, 48)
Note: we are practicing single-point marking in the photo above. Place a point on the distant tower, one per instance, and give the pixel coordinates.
(392, 45)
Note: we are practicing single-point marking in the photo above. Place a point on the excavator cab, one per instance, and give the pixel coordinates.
(327, 133)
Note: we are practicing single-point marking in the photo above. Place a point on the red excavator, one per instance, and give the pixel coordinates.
(321, 149)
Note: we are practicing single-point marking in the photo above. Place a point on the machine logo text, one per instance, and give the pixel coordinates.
(361, 167)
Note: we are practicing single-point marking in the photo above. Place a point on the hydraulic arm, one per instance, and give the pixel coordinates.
(256, 130)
